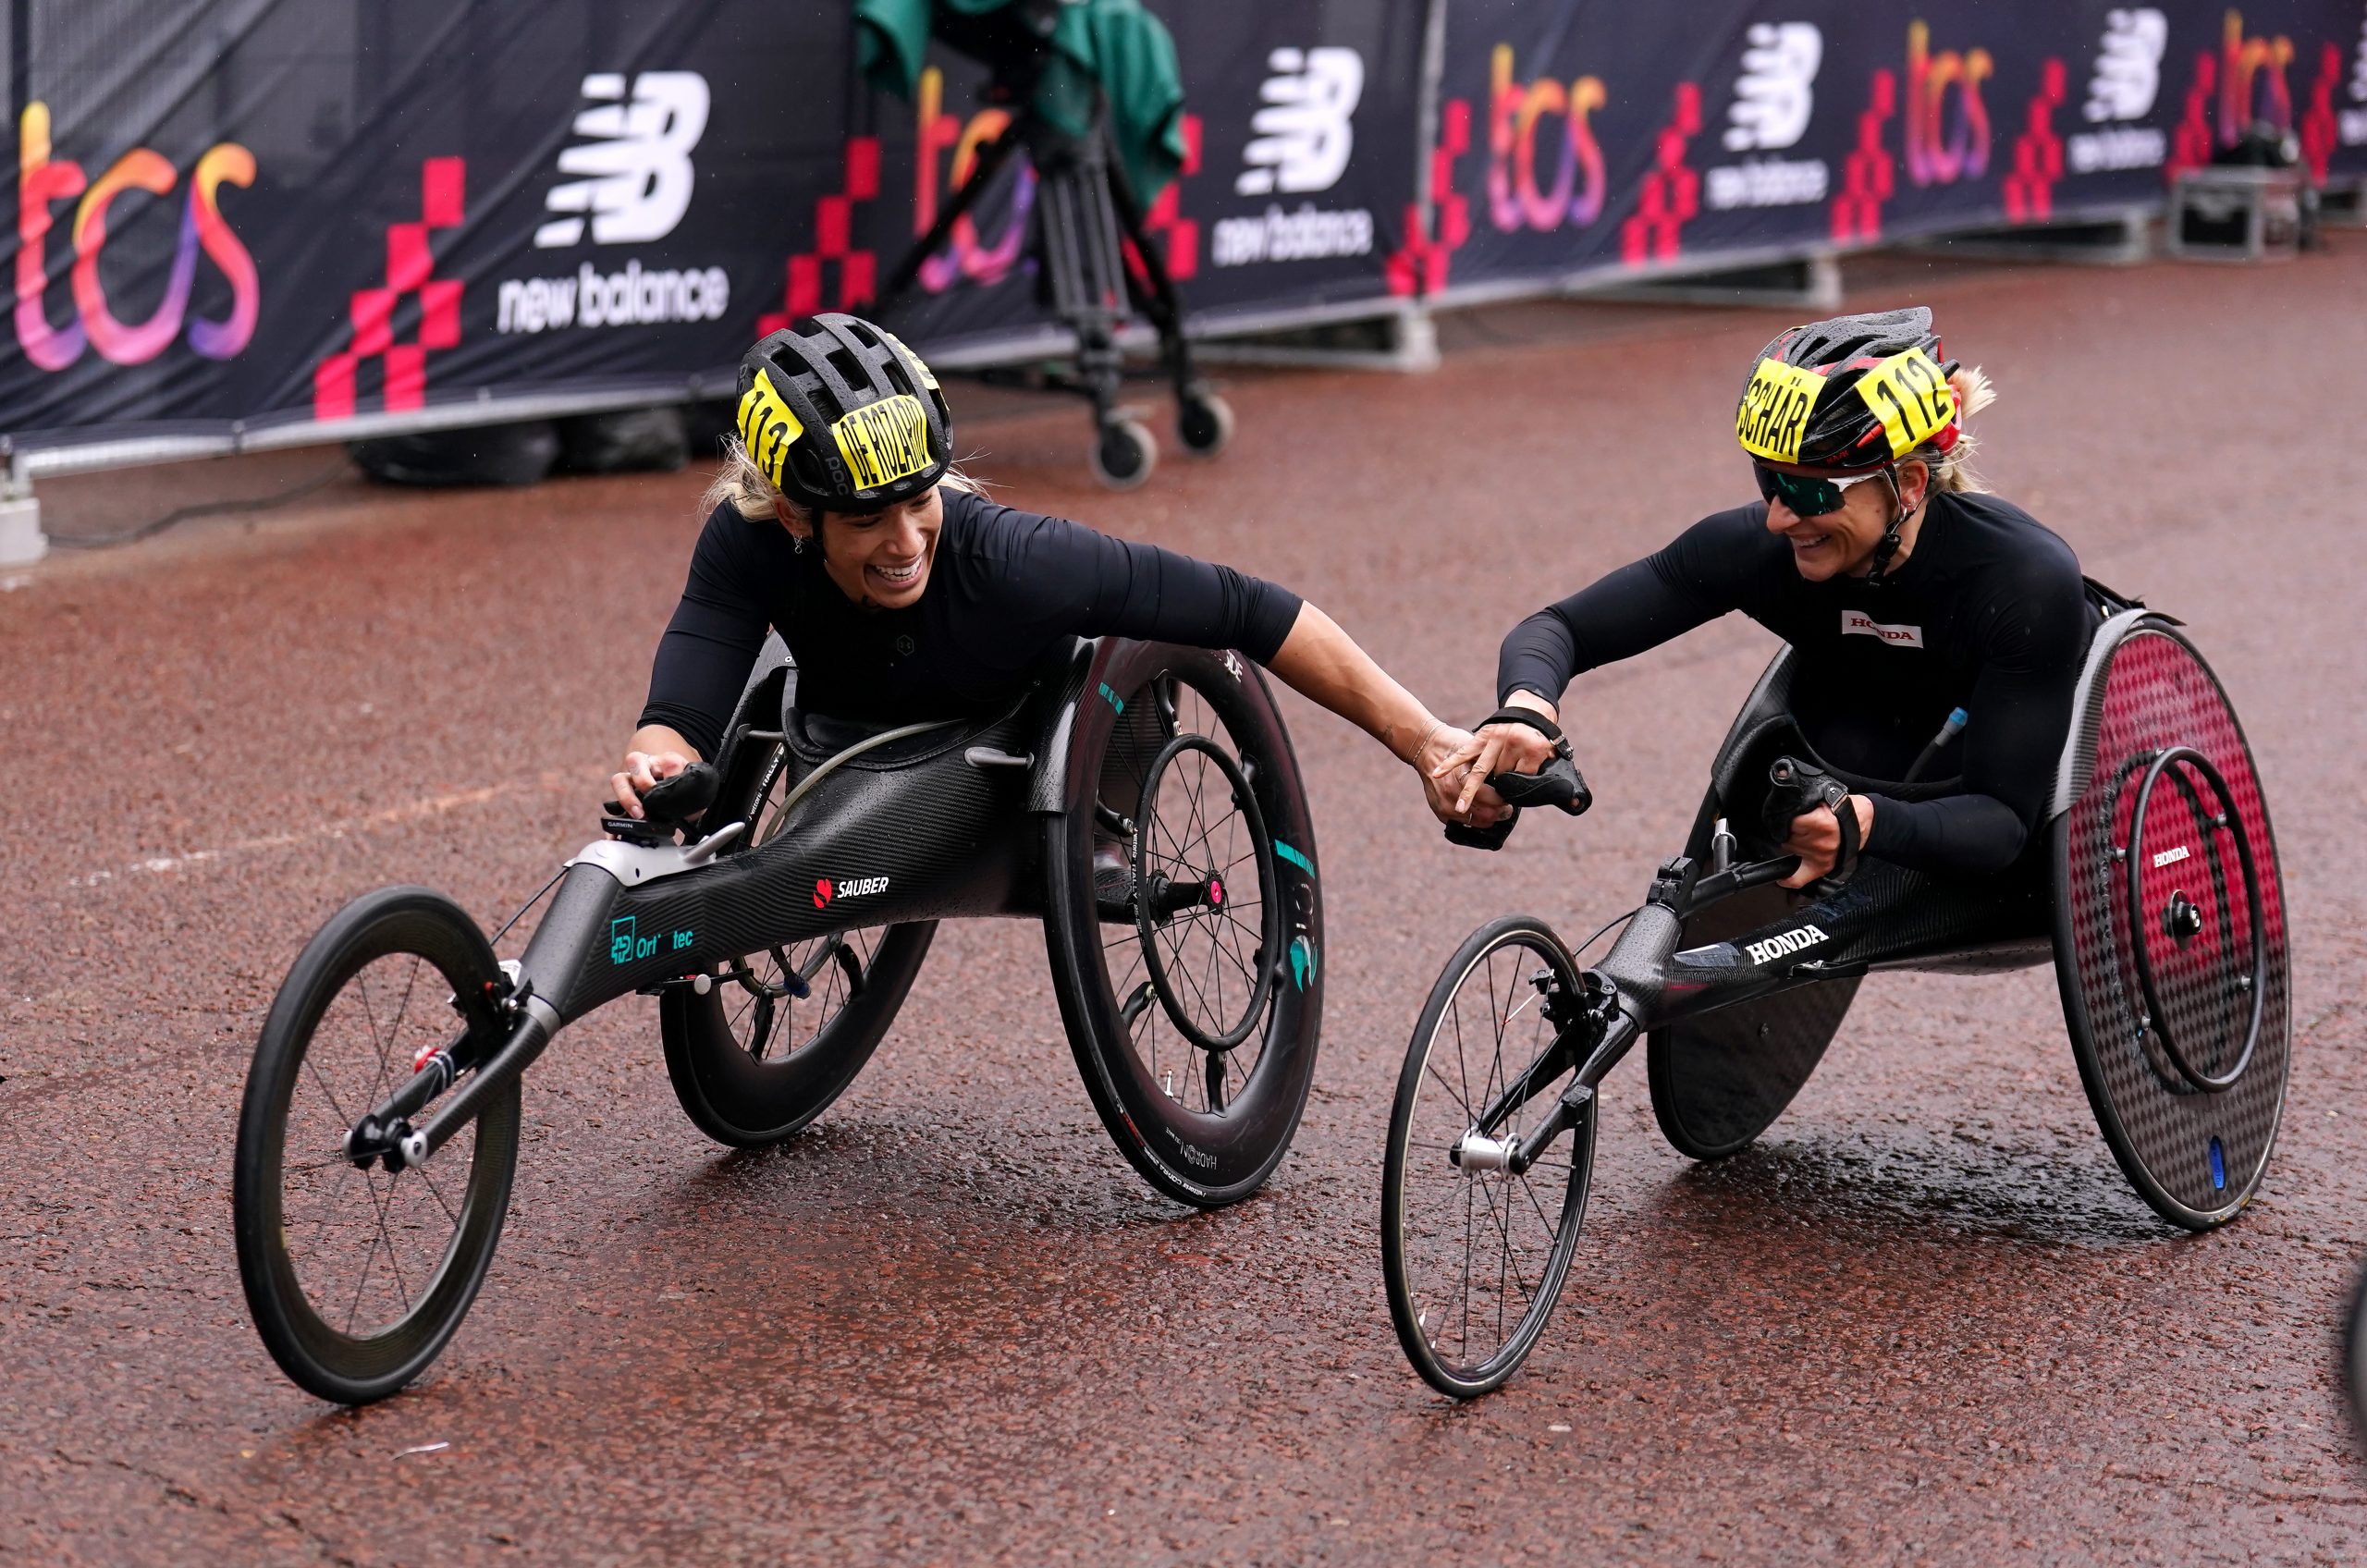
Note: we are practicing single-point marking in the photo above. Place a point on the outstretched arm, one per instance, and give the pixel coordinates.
(1325, 664)
(1092, 584)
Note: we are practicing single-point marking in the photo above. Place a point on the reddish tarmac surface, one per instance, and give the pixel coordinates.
(1923, 1321)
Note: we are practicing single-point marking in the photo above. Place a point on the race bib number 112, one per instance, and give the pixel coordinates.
(1908, 393)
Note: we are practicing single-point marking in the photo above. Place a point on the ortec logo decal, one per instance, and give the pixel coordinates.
(1789, 942)
(852, 888)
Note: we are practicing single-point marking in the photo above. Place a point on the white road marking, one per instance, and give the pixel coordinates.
(413, 811)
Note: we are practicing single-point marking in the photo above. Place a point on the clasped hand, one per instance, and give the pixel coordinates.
(1456, 782)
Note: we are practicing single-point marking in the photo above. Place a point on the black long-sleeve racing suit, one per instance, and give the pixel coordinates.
(1987, 613)
(1004, 588)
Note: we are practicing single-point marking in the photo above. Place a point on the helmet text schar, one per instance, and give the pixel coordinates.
(1775, 412)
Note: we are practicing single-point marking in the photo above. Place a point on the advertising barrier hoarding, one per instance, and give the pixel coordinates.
(239, 221)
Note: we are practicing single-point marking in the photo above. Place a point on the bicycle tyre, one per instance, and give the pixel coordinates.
(1204, 1159)
(1409, 1297)
(337, 1365)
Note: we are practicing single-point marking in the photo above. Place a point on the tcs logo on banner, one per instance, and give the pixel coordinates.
(1517, 116)
(1935, 153)
(966, 255)
(44, 181)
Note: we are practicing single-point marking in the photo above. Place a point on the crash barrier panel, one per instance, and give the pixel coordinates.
(267, 227)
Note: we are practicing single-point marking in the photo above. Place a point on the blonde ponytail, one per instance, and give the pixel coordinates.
(1952, 471)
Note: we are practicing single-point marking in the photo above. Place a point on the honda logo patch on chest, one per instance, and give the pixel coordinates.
(1861, 624)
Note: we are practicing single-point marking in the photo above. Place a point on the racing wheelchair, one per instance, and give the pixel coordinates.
(2153, 887)
(1141, 800)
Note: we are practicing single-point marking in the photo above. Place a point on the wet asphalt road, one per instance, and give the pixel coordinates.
(1924, 1320)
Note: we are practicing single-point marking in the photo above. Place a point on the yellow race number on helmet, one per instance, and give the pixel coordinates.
(884, 441)
(1908, 393)
(767, 427)
(1775, 412)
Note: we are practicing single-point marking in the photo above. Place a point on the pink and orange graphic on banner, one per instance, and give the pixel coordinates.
(43, 180)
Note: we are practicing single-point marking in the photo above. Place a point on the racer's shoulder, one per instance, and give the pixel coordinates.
(2024, 574)
(1993, 531)
(987, 535)
(1733, 545)
(731, 538)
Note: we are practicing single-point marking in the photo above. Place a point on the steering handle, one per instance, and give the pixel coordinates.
(668, 804)
(1557, 784)
(1725, 884)
(1794, 789)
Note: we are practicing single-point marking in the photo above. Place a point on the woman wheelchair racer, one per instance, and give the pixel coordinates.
(1938, 628)
(905, 595)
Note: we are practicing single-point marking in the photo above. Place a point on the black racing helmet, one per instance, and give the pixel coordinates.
(1852, 394)
(842, 416)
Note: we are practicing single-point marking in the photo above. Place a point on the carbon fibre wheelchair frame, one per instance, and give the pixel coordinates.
(2176, 1003)
(2152, 886)
(1077, 806)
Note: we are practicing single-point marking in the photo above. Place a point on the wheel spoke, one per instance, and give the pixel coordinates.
(438, 1194)
(394, 1261)
(321, 1084)
(394, 1030)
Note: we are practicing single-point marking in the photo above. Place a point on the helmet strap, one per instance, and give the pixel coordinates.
(1887, 545)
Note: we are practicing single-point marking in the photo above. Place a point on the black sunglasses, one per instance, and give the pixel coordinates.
(1806, 496)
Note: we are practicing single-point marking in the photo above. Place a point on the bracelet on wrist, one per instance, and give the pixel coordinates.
(1423, 744)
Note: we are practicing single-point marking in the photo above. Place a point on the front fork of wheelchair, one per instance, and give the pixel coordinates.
(1597, 1025)
(1593, 1031)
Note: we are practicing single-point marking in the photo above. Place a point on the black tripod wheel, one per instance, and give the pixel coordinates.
(1122, 454)
(1203, 423)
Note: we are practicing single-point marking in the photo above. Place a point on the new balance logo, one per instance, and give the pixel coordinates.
(1789, 942)
(2128, 65)
(1301, 140)
(635, 167)
(1776, 94)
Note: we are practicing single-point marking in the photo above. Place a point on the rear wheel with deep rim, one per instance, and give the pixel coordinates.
(1475, 1255)
(780, 1034)
(1183, 919)
(358, 1273)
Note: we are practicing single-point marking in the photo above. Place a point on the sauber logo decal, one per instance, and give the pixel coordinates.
(1789, 942)
(1857, 622)
(851, 888)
